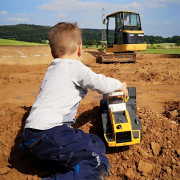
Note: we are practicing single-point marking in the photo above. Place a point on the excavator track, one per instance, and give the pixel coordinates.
(119, 57)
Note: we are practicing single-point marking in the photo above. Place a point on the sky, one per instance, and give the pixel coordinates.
(158, 17)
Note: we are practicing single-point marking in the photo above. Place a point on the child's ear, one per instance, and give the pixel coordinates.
(79, 52)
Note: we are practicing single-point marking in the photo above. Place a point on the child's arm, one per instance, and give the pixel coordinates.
(86, 78)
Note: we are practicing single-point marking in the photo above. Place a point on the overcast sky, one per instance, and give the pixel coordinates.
(158, 17)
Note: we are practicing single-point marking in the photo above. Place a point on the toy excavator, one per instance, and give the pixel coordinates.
(120, 124)
(124, 37)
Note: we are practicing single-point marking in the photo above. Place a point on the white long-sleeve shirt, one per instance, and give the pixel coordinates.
(64, 85)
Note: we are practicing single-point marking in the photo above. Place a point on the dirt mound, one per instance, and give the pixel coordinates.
(156, 79)
(156, 157)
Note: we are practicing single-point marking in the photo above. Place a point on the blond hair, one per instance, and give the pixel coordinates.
(64, 38)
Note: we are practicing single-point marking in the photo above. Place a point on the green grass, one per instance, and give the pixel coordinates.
(7, 42)
(93, 47)
(161, 51)
(163, 45)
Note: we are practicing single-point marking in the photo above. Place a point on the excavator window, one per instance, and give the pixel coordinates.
(118, 21)
(131, 21)
(111, 30)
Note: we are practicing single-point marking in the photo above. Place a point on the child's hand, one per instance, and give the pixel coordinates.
(123, 89)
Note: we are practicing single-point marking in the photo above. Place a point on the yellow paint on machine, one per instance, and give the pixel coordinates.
(113, 14)
(126, 47)
(114, 144)
(125, 127)
(133, 32)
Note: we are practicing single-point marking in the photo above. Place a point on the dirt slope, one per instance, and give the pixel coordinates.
(156, 79)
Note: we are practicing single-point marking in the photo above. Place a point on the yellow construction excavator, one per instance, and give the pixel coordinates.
(124, 37)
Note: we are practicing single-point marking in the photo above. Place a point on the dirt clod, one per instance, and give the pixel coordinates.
(156, 148)
(130, 174)
(145, 168)
(173, 114)
(4, 170)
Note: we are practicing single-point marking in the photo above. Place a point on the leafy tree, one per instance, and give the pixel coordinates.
(177, 43)
(36, 33)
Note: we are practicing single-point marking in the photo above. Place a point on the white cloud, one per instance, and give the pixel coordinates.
(170, 1)
(61, 15)
(21, 14)
(32, 14)
(18, 19)
(89, 22)
(154, 32)
(78, 6)
(67, 5)
(160, 3)
(164, 23)
(154, 4)
(24, 14)
(3, 12)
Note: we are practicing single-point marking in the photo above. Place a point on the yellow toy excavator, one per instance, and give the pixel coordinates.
(124, 37)
(120, 124)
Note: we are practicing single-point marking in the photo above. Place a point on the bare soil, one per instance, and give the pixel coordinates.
(156, 79)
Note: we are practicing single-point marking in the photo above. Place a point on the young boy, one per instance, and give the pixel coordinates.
(48, 133)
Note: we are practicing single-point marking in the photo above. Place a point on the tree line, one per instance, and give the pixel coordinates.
(39, 34)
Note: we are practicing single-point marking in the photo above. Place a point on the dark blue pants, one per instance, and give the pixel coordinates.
(82, 154)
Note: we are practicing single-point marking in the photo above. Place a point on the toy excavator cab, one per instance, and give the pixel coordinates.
(118, 114)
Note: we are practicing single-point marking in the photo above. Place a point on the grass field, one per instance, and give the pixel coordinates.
(93, 47)
(163, 45)
(161, 51)
(7, 42)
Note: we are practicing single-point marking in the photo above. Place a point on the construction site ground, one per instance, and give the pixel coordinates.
(157, 81)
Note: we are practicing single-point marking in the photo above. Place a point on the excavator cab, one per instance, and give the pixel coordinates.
(124, 37)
